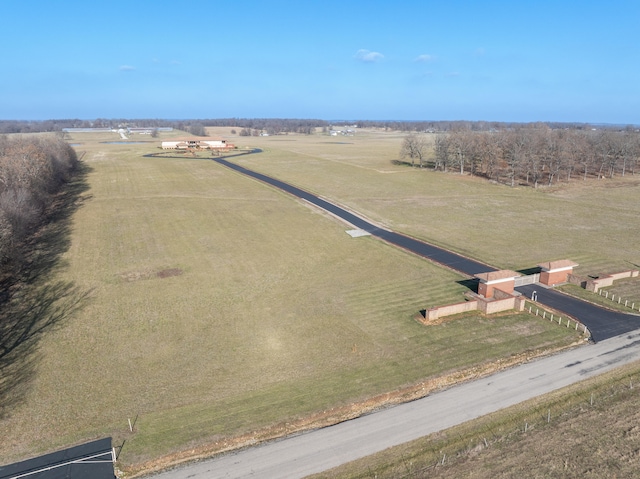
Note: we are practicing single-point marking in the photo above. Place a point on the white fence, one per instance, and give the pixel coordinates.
(618, 299)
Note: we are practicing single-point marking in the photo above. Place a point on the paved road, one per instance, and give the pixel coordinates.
(319, 450)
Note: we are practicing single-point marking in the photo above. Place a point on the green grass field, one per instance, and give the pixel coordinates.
(218, 305)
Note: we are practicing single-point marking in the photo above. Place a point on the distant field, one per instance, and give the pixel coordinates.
(594, 223)
(219, 305)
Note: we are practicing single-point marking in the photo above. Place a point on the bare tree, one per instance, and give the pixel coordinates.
(575, 152)
(32, 171)
(442, 153)
(514, 146)
(626, 149)
(536, 153)
(460, 145)
(550, 153)
(604, 150)
(197, 129)
(415, 146)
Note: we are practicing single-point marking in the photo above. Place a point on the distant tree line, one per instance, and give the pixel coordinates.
(533, 155)
(448, 125)
(272, 126)
(33, 170)
(275, 126)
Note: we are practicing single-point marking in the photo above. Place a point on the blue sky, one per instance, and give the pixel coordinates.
(350, 59)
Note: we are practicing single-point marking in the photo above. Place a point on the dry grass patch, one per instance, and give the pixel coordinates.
(278, 313)
(586, 430)
(589, 222)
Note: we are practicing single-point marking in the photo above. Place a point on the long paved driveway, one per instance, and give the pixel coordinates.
(602, 323)
(447, 258)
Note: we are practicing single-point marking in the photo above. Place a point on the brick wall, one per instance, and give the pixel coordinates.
(451, 309)
(501, 302)
(597, 283)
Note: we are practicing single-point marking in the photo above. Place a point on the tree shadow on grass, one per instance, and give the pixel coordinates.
(33, 312)
(401, 163)
(416, 164)
(31, 303)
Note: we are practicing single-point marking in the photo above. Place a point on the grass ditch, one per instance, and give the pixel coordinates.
(585, 430)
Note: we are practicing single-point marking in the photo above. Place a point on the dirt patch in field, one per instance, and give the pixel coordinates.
(331, 416)
(131, 276)
(167, 273)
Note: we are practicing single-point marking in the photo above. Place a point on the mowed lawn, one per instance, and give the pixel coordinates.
(594, 223)
(218, 305)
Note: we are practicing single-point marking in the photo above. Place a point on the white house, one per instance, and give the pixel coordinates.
(197, 143)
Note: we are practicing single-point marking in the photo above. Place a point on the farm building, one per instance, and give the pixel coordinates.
(197, 143)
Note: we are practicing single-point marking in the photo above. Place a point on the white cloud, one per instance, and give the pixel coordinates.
(368, 56)
(127, 68)
(424, 58)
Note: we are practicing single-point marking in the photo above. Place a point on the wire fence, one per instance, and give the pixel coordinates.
(471, 440)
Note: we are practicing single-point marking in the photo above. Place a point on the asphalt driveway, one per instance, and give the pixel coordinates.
(602, 323)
